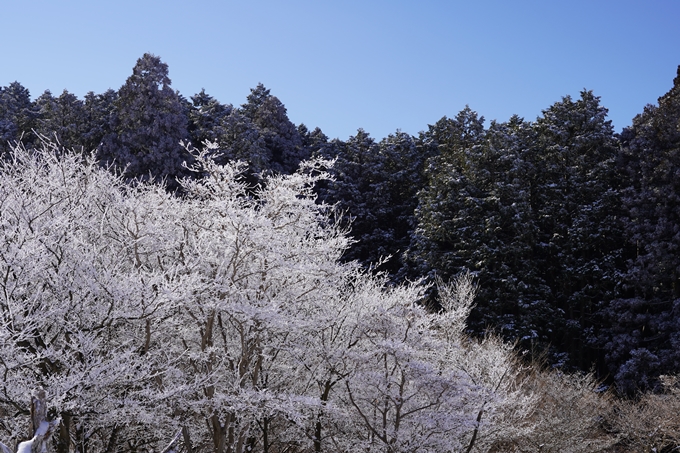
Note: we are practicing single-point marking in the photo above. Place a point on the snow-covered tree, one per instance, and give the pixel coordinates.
(226, 316)
(80, 295)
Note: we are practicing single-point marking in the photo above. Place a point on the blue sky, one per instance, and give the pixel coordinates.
(343, 65)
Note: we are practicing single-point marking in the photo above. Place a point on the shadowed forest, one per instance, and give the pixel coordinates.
(183, 265)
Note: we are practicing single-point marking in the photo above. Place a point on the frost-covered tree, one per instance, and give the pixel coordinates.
(80, 296)
(149, 123)
(245, 302)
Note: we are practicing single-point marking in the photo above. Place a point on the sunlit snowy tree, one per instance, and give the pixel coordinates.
(80, 295)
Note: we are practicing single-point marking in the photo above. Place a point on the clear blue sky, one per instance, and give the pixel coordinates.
(343, 65)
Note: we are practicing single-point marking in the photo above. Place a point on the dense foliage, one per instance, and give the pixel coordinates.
(226, 315)
(570, 230)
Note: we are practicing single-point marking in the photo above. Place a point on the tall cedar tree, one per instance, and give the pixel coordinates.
(449, 196)
(17, 116)
(100, 111)
(532, 210)
(375, 185)
(577, 208)
(61, 118)
(206, 118)
(149, 123)
(643, 340)
(475, 216)
(280, 135)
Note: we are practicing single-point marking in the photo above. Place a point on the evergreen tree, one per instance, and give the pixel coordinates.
(280, 135)
(239, 139)
(501, 236)
(577, 207)
(17, 116)
(643, 340)
(206, 119)
(448, 197)
(235, 136)
(353, 173)
(532, 210)
(149, 124)
(62, 118)
(475, 216)
(313, 142)
(99, 116)
(395, 198)
(375, 184)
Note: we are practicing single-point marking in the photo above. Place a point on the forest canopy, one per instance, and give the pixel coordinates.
(119, 234)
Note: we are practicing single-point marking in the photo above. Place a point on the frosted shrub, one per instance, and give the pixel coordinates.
(651, 424)
(569, 414)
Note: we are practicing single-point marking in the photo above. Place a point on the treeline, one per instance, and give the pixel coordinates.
(570, 230)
